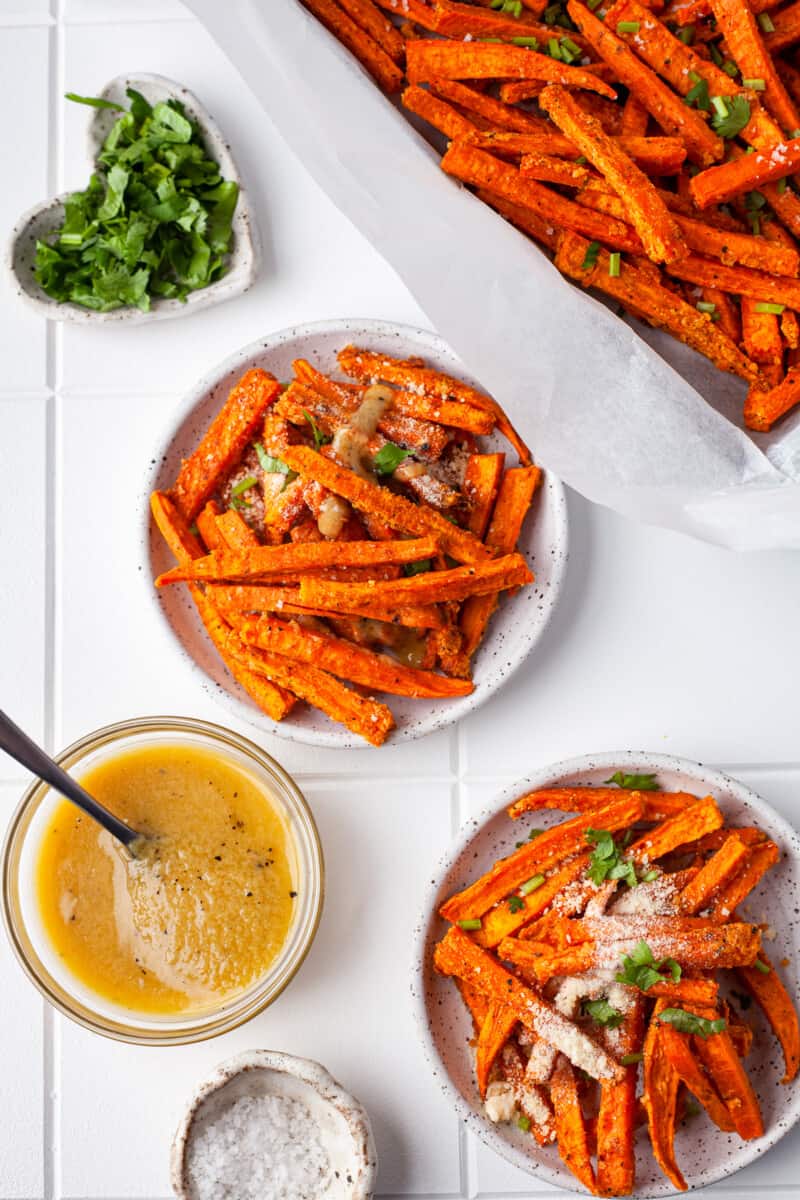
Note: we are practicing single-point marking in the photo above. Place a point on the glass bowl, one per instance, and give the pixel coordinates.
(33, 947)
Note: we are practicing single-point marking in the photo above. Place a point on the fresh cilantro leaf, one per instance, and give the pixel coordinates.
(736, 116)
(268, 463)
(320, 438)
(388, 458)
(93, 101)
(417, 568)
(606, 861)
(603, 1013)
(686, 1022)
(635, 783)
(640, 969)
(515, 903)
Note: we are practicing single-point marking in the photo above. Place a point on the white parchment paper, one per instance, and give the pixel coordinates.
(598, 405)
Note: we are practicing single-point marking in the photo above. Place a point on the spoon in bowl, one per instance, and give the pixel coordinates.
(29, 755)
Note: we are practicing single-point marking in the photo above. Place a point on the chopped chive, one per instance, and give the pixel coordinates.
(534, 833)
(781, 186)
(593, 4)
(730, 68)
(628, 1060)
(524, 1123)
(590, 259)
(627, 26)
(705, 306)
(765, 21)
(749, 149)
(498, 41)
(763, 307)
(531, 885)
(649, 876)
(581, 162)
(473, 923)
(755, 85)
(613, 264)
(530, 43)
(716, 57)
(570, 45)
(244, 485)
(553, 49)
(795, 133)
(755, 224)
(686, 35)
(761, 966)
(720, 106)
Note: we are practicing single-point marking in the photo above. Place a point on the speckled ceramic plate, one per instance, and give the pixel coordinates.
(704, 1154)
(42, 219)
(515, 629)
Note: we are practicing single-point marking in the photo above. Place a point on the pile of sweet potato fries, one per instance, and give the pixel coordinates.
(333, 531)
(609, 941)
(651, 146)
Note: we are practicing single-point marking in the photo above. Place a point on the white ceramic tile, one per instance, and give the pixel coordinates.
(660, 643)
(112, 12)
(21, 1079)
(314, 264)
(348, 1008)
(24, 92)
(24, 471)
(25, 12)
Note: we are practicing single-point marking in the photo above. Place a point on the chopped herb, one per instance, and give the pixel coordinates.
(614, 264)
(640, 969)
(320, 438)
(635, 783)
(795, 133)
(512, 7)
(529, 43)
(755, 85)
(534, 833)
(627, 26)
(698, 93)
(569, 51)
(593, 4)
(781, 185)
(417, 568)
(155, 220)
(761, 966)
(93, 101)
(765, 21)
(524, 1123)
(193, 528)
(590, 258)
(686, 35)
(628, 1060)
(602, 1013)
(582, 160)
(606, 861)
(650, 875)
(706, 306)
(691, 1109)
(388, 458)
(531, 885)
(686, 1022)
(730, 68)
(238, 503)
(275, 465)
(472, 923)
(763, 307)
(244, 485)
(515, 904)
(730, 116)
(553, 48)
(716, 57)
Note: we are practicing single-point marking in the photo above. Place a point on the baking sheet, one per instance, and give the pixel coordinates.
(615, 409)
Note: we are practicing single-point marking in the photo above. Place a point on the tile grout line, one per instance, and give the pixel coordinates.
(458, 762)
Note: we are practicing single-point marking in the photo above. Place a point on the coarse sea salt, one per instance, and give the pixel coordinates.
(258, 1148)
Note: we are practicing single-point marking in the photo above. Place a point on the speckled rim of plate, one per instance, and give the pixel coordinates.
(312, 728)
(594, 768)
(41, 219)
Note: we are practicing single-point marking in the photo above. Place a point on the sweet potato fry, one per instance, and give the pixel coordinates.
(349, 662)
(690, 823)
(481, 480)
(616, 1117)
(496, 1029)
(483, 170)
(573, 1144)
(718, 1055)
(657, 805)
(785, 29)
(369, 53)
(702, 145)
(456, 954)
(655, 155)
(369, 17)
(278, 562)
(635, 118)
(427, 60)
(174, 528)
(361, 364)
(739, 27)
(494, 112)
(732, 894)
(763, 408)
(661, 237)
(657, 305)
(536, 857)
(761, 334)
(553, 170)
(235, 532)
(678, 1052)
(522, 218)
(501, 922)
(776, 1004)
(207, 524)
(244, 598)
(436, 112)
(660, 1100)
(719, 184)
(224, 441)
(434, 587)
(686, 991)
(513, 501)
(714, 875)
(366, 717)
(398, 512)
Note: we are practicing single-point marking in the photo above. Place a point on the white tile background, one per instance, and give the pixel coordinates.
(659, 643)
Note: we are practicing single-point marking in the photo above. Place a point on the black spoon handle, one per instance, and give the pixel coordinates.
(28, 754)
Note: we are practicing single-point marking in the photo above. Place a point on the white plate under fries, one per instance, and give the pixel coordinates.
(704, 1154)
(516, 627)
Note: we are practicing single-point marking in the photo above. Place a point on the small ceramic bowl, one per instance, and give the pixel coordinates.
(341, 1122)
(44, 218)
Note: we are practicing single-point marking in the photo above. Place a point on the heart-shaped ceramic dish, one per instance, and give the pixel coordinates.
(704, 1154)
(514, 631)
(43, 218)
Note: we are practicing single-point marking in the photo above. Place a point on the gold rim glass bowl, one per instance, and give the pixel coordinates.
(21, 909)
